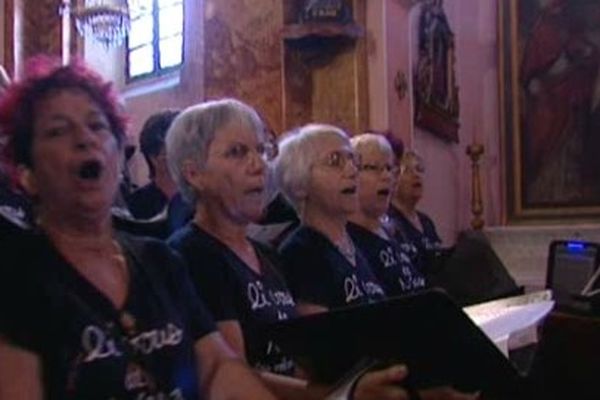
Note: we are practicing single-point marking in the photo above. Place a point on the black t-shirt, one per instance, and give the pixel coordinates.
(233, 291)
(150, 203)
(318, 273)
(147, 201)
(89, 349)
(15, 212)
(179, 212)
(279, 210)
(405, 233)
(388, 260)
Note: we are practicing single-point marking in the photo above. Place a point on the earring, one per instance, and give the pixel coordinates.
(27, 181)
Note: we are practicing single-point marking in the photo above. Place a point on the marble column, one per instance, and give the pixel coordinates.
(38, 30)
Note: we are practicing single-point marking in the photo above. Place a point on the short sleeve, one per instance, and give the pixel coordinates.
(307, 273)
(430, 229)
(22, 303)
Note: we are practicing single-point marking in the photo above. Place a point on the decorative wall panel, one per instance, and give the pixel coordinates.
(243, 54)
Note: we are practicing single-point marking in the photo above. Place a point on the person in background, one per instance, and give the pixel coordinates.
(410, 225)
(126, 185)
(87, 312)
(376, 182)
(279, 217)
(454, 269)
(16, 212)
(15, 209)
(160, 196)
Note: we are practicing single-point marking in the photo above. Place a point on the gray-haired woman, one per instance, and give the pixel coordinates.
(317, 171)
(389, 258)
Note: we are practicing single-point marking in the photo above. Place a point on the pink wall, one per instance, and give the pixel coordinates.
(178, 90)
(393, 26)
(391, 46)
(232, 49)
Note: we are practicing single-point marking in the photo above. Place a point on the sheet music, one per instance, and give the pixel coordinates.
(512, 322)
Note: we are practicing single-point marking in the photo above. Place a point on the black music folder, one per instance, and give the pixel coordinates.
(427, 331)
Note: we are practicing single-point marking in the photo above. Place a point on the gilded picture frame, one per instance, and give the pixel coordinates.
(549, 81)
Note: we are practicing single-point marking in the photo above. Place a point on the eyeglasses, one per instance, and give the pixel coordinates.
(339, 159)
(267, 151)
(379, 168)
(415, 168)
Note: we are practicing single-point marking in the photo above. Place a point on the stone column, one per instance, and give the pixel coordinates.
(38, 30)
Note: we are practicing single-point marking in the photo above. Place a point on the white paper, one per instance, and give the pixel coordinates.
(511, 323)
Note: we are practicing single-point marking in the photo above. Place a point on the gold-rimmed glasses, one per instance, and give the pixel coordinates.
(239, 151)
(378, 168)
(340, 158)
(412, 167)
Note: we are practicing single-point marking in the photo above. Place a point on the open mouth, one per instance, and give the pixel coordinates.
(256, 190)
(90, 170)
(349, 190)
(383, 192)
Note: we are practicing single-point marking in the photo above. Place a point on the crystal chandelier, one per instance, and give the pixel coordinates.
(106, 21)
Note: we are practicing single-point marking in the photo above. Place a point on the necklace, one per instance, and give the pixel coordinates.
(347, 249)
(100, 260)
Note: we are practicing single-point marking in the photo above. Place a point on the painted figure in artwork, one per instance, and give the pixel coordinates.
(436, 92)
(558, 71)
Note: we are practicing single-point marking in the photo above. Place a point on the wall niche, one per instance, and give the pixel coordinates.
(324, 62)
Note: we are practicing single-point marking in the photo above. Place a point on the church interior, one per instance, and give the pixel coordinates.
(500, 100)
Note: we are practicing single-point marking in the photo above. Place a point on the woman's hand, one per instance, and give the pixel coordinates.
(219, 367)
(384, 384)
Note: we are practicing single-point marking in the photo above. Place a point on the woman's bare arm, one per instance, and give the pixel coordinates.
(223, 375)
(284, 387)
(20, 373)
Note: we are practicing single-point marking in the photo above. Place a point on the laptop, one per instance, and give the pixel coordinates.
(426, 331)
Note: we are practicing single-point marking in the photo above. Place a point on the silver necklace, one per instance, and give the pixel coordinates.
(347, 249)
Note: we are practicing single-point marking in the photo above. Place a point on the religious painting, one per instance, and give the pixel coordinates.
(550, 104)
(435, 89)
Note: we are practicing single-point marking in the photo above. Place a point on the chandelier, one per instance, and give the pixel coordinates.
(106, 21)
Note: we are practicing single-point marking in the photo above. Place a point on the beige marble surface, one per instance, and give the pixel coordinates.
(524, 249)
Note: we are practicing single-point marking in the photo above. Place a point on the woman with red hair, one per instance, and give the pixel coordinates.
(86, 312)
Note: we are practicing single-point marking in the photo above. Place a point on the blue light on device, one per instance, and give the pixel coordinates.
(575, 247)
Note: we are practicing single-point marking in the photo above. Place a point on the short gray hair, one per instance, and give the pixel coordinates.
(192, 132)
(298, 151)
(366, 141)
(411, 155)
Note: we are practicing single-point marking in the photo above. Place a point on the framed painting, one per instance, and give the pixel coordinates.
(549, 56)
